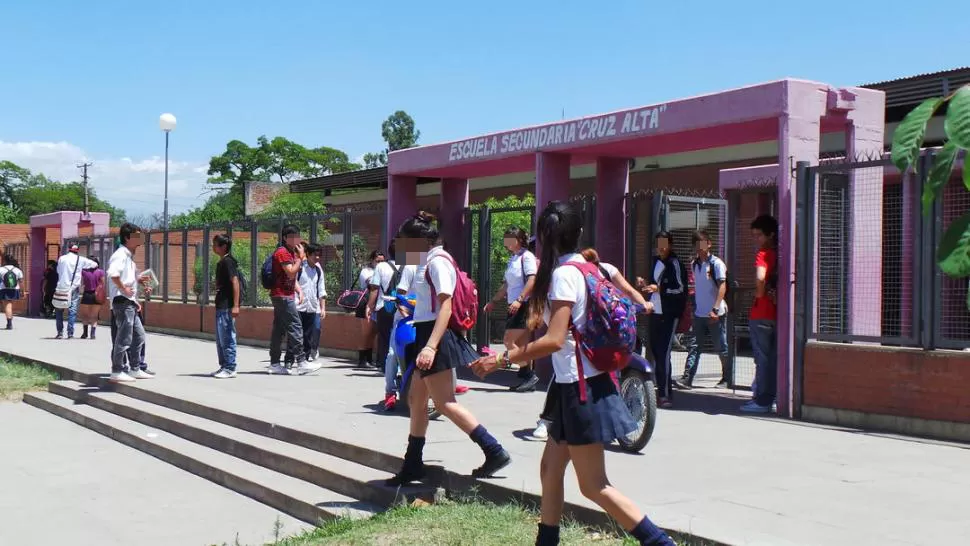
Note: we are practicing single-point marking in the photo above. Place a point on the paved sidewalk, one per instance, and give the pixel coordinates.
(65, 484)
(736, 479)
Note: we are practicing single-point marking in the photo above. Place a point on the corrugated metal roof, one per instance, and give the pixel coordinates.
(918, 76)
(912, 90)
(376, 177)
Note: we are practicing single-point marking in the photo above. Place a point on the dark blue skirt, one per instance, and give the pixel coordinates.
(602, 419)
(454, 350)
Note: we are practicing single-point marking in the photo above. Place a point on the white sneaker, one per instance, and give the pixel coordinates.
(542, 430)
(308, 367)
(215, 373)
(224, 374)
(277, 369)
(121, 377)
(138, 374)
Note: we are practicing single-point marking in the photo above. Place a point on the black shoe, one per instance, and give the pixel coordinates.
(493, 464)
(409, 473)
(59, 336)
(723, 384)
(683, 384)
(528, 385)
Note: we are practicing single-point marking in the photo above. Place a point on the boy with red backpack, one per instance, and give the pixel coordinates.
(591, 332)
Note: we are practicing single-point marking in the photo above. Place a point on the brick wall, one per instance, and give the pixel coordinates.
(258, 195)
(888, 381)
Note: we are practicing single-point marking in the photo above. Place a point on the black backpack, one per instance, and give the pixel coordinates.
(9, 279)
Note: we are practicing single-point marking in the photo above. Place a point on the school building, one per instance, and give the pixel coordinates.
(719, 160)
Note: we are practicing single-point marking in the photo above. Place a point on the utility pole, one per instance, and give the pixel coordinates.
(84, 181)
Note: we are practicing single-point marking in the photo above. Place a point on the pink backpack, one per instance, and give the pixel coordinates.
(464, 302)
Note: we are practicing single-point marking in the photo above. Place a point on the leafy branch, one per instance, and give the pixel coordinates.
(953, 252)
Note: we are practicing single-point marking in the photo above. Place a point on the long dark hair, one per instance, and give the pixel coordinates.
(519, 235)
(422, 225)
(559, 229)
(8, 259)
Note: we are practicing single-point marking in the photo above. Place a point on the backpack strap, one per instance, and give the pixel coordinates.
(427, 276)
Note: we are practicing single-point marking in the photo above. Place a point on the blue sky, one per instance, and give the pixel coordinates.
(89, 79)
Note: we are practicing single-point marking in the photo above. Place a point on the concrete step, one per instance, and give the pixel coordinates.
(336, 474)
(264, 427)
(302, 500)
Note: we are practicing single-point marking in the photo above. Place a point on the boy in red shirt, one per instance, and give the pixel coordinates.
(285, 295)
(761, 321)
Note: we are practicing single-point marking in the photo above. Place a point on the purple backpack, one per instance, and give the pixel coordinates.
(609, 336)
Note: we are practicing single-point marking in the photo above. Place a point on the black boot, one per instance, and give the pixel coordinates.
(548, 535)
(84, 334)
(413, 468)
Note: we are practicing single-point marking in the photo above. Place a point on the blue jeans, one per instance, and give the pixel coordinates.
(129, 338)
(286, 321)
(311, 333)
(764, 345)
(226, 339)
(706, 330)
(394, 362)
(71, 314)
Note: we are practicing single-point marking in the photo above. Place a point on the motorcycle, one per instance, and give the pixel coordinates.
(403, 336)
(639, 392)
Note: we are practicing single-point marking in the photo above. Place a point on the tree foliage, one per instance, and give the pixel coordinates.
(502, 218)
(24, 194)
(277, 160)
(953, 253)
(399, 132)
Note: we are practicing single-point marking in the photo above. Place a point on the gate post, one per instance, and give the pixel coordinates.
(484, 272)
(730, 240)
(804, 241)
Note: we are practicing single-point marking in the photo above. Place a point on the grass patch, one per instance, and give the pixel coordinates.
(17, 378)
(452, 522)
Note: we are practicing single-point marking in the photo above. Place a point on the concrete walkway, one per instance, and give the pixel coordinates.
(64, 484)
(739, 480)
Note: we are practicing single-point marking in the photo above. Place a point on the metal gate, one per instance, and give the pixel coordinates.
(486, 259)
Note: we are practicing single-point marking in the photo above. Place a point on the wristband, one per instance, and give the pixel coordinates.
(504, 359)
(430, 348)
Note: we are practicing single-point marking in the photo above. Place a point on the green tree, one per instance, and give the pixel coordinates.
(286, 203)
(9, 214)
(280, 160)
(11, 176)
(399, 131)
(953, 253)
(224, 206)
(41, 195)
(501, 220)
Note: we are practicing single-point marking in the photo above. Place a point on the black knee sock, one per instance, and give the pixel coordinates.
(548, 535)
(360, 357)
(525, 372)
(650, 535)
(486, 441)
(415, 453)
(85, 332)
(369, 355)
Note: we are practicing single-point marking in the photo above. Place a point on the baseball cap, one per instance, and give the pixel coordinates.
(73, 247)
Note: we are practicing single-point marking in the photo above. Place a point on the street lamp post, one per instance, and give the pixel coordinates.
(167, 124)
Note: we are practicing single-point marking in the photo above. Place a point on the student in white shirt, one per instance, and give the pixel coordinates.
(710, 313)
(365, 355)
(69, 268)
(123, 294)
(11, 279)
(313, 306)
(386, 274)
(579, 431)
(439, 350)
(520, 277)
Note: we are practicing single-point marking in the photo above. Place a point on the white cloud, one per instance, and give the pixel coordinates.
(136, 185)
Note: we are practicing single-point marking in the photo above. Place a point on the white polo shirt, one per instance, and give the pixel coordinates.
(122, 265)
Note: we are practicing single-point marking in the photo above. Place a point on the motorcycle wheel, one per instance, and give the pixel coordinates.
(640, 395)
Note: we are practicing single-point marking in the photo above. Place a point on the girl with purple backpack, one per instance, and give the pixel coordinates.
(583, 405)
(438, 348)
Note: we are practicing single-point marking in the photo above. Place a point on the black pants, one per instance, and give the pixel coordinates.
(385, 323)
(114, 333)
(662, 328)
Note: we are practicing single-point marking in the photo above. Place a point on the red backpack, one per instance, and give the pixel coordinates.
(464, 302)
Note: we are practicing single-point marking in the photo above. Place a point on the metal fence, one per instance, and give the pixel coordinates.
(866, 258)
(184, 263)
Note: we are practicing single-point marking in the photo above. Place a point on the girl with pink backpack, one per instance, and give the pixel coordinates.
(590, 332)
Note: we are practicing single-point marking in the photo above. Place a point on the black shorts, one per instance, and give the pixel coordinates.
(603, 418)
(519, 319)
(88, 298)
(453, 351)
(10, 294)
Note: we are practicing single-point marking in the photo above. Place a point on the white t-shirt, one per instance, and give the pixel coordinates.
(120, 265)
(569, 285)
(520, 266)
(383, 274)
(313, 285)
(363, 280)
(70, 267)
(17, 273)
(407, 278)
(610, 269)
(434, 264)
(658, 272)
(706, 280)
